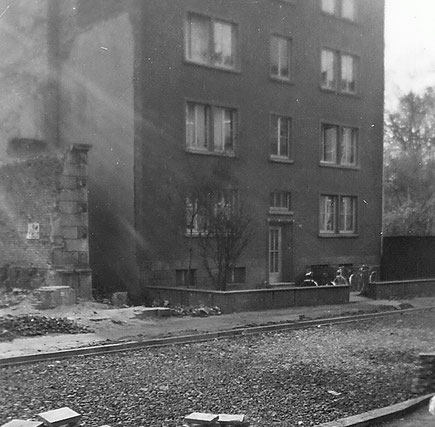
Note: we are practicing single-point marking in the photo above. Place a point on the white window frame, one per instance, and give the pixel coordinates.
(217, 120)
(348, 78)
(193, 139)
(347, 215)
(339, 149)
(338, 214)
(328, 70)
(334, 76)
(344, 9)
(284, 44)
(280, 202)
(276, 126)
(211, 56)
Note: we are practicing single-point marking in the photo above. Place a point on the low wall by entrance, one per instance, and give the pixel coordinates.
(252, 300)
(401, 289)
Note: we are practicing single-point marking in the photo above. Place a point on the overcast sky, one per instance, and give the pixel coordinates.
(409, 46)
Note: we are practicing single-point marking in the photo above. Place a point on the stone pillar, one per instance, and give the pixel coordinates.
(70, 251)
(424, 382)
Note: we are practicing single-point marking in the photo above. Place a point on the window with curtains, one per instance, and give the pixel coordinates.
(280, 58)
(210, 128)
(345, 9)
(211, 42)
(339, 145)
(338, 214)
(338, 71)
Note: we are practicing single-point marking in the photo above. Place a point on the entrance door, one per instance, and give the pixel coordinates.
(275, 254)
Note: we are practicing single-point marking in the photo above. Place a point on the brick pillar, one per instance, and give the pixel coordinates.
(424, 382)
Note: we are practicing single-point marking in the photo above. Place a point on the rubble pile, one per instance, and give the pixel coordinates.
(33, 325)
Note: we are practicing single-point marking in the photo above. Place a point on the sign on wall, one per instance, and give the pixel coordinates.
(32, 231)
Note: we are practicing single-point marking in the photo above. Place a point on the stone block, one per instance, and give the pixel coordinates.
(23, 423)
(60, 417)
(61, 258)
(74, 220)
(72, 195)
(119, 299)
(55, 296)
(68, 182)
(70, 232)
(69, 207)
(75, 169)
(200, 419)
(232, 420)
(76, 245)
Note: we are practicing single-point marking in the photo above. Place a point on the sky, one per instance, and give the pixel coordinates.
(409, 47)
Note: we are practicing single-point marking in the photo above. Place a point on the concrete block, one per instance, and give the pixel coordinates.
(119, 299)
(74, 220)
(60, 417)
(73, 195)
(23, 423)
(70, 232)
(76, 245)
(232, 420)
(69, 207)
(54, 296)
(199, 418)
(68, 182)
(61, 258)
(75, 169)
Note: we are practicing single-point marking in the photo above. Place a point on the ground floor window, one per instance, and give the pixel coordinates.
(338, 214)
(185, 278)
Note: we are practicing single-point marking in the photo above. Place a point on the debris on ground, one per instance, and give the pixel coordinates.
(33, 325)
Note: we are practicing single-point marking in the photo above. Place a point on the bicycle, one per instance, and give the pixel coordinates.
(359, 279)
(339, 278)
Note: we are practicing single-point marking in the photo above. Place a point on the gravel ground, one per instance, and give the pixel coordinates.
(295, 378)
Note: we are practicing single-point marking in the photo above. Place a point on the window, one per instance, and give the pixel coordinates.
(338, 214)
(197, 126)
(200, 211)
(348, 9)
(338, 67)
(347, 214)
(236, 275)
(224, 125)
(341, 8)
(339, 145)
(195, 217)
(328, 69)
(185, 278)
(280, 202)
(211, 42)
(280, 56)
(280, 137)
(348, 73)
(210, 128)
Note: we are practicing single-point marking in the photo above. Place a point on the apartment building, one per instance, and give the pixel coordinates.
(276, 103)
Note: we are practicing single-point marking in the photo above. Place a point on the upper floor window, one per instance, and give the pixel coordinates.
(338, 214)
(210, 128)
(342, 8)
(338, 67)
(280, 57)
(339, 145)
(280, 202)
(280, 144)
(211, 42)
(348, 73)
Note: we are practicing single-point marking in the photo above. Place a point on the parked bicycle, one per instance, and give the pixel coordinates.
(340, 279)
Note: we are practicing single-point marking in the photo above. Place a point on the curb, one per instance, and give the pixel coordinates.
(196, 338)
(380, 415)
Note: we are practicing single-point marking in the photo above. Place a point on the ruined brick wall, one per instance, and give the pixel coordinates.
(43, 222)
